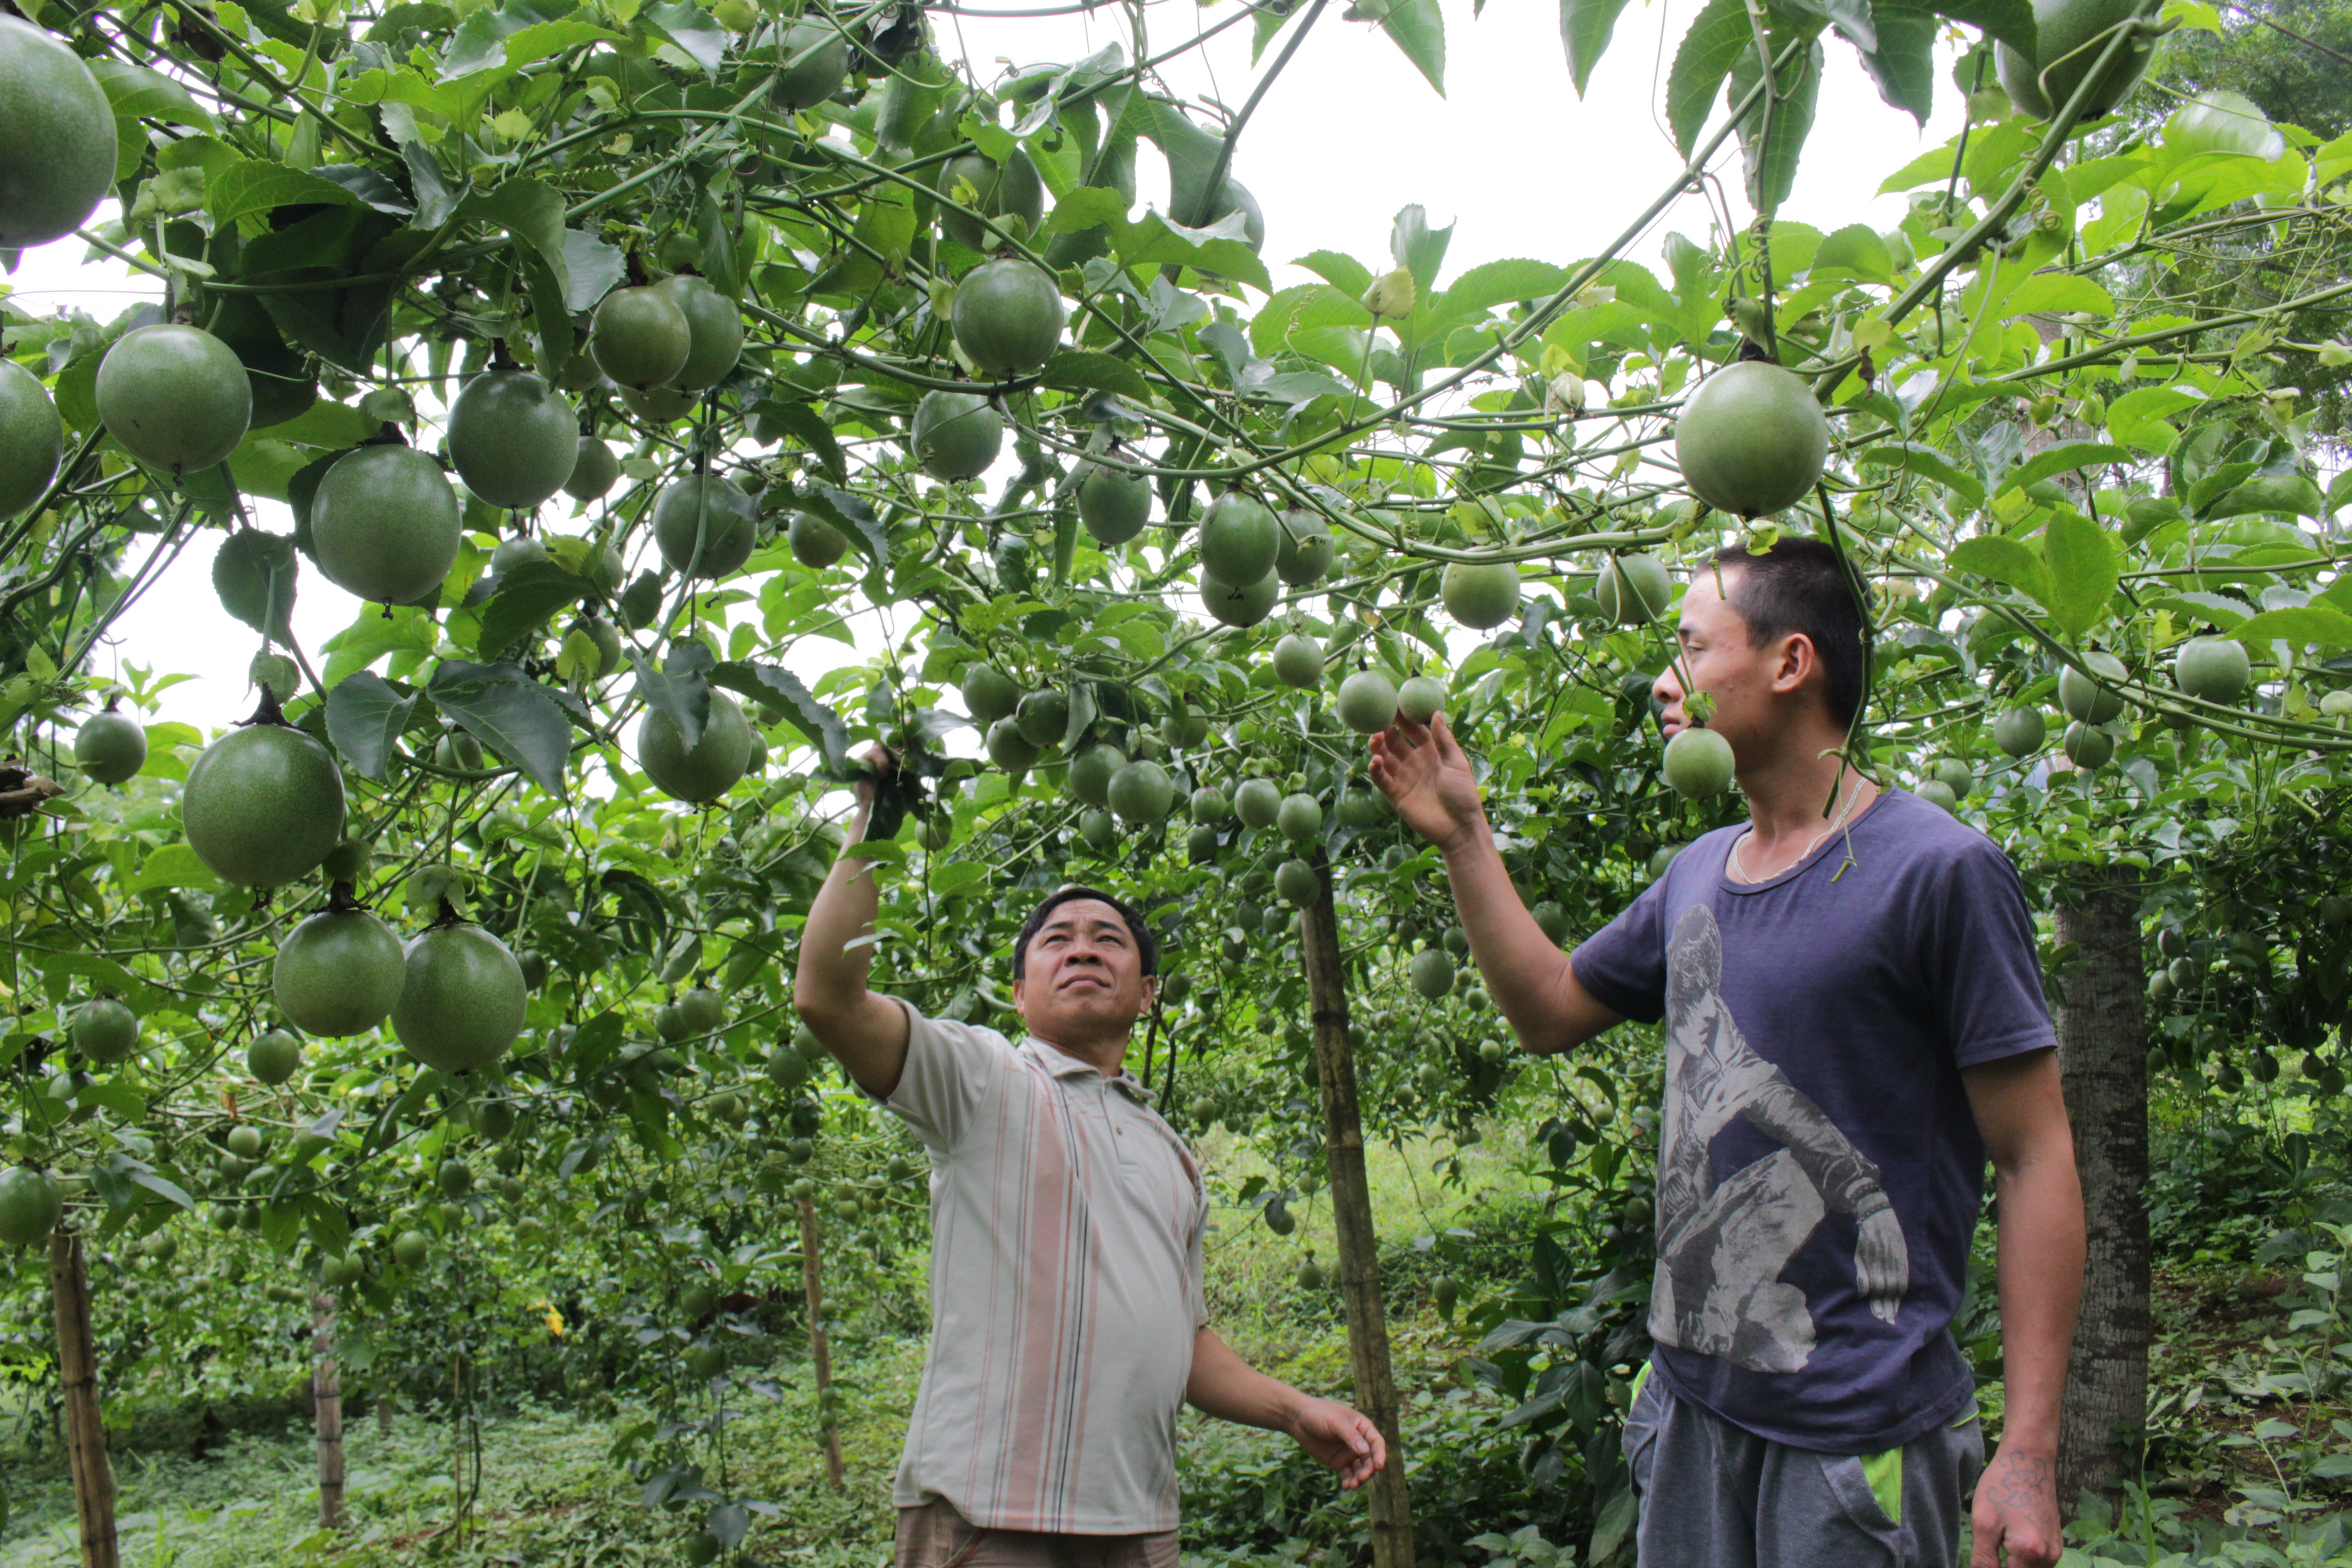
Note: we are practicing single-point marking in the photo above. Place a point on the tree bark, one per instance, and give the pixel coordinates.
(327, 1402)
(2103, 1053)
(1351, 1210)
(819, 1348)
(93, 1477)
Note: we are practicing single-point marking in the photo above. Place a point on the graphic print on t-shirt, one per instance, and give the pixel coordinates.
(1722, 1244)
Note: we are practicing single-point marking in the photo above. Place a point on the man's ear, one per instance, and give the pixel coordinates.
(1796, 661)
(1018, 987)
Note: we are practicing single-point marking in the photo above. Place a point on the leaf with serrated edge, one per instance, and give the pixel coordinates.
(365, 715)
(510, 713)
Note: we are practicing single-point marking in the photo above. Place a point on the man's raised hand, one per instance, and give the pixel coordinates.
(1341, 1438)
(1427, 779)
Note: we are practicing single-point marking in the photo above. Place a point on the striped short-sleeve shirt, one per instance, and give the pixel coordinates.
(1066, 1221)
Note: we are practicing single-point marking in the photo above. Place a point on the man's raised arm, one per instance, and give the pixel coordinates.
(868, 1034)
(1428, 779)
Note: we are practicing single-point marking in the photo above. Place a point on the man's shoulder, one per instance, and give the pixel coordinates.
(1934, 840)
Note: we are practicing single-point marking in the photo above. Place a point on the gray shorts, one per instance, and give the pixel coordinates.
(1713, 1495)
(935, 1535)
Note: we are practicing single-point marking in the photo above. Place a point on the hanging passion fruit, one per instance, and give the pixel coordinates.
(640, 337)
(814, 57)
(2213, 669)
(263, 805)
(1480, 597)
(1633, 590)
(1699, 763)
(385, 524)
(988, 694)
(1421, 698)
(707, 769)
(111, 747)
(1240, 540)
(104, 1030)
(31, 1203)
(175, 397)
(1302, 550)
(1113, 505)
(1298, 661)
(1007, 316)
(1008, 191)
(338, 974)
(955, 435)
(657, 405)
(1142, 793)
(2069, 37)
(1257, 803)
(2093, 698)
(1239, 605)
(461, 999)
(815, 543)
(705, 526)
(57, 138)
(2021, 731)
(274, 1057)
(1092, 770)
(1009, 749)
(32, 437)
(1368, 702)
(595, 470)
(1752, 439)
(514, 440)
(714, 331)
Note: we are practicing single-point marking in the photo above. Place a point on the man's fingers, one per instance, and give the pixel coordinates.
(1985, 1552)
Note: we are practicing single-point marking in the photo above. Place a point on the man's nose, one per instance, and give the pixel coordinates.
(1667, 690)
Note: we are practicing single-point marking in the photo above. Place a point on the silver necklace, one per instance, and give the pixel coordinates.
(1852, 798)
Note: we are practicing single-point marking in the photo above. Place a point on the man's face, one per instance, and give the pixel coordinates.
(1749, 685)
(1083, 976)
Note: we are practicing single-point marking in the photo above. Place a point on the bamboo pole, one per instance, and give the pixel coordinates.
(93, 1477)
(1351, 1211)
(327, 1402)
(819, 1348)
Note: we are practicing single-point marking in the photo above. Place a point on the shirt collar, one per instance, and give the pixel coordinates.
(1061, 1064)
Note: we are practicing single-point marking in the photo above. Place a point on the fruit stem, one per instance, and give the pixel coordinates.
(267, 711)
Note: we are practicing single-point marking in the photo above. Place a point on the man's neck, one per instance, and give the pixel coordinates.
(1103, 1056)
(1790, 798)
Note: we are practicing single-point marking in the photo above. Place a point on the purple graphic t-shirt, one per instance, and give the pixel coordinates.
(1819, 1172)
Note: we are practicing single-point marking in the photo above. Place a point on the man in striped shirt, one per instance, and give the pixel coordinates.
(1067, 1329)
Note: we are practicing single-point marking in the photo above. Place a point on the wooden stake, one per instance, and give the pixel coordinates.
(327, 1399)
(93, 1477)
(820, 1350)
(1351, 1210)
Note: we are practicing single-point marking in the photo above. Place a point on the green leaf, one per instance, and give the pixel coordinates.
(1928, 464)
(510, 713)
(1903, 65)
(1584, 29)
(1417, 28)
(175, 866)
(254, 576)
(591, 269)
(526, 596)
(1087, 369)
(1857, 250)
(136, 93)
(692, 29)
(1417, 248)
(1347, 274)
(810, 428)
(365, 716)
(1771, 145)
(2082, 571)
(2047, 293)
(1494, 283)
(2292, 495)
(253, 188)
(2064, 458)
(1192, 153)
(802, 708)
(2297, 623)
(2143, 418)
(1218, 249)
(1717, 36)
(2006, 560)
(679, 688)
(2010, 21)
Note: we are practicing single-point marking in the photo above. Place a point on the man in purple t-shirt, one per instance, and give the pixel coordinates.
(1854, 1022)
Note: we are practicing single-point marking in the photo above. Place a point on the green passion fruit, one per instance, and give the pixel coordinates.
(1752, 439)
(263, 806)
(1421, 698)
(705, 526)
(815, 543)
(2092, 697)
(1303, 551)
(514, 440)
(1699, 763)
(1298, 661)
(707, 769)
(714, 331)
(274, 1057)
(2215, 669)
(385, 524)
(57, 137)
(1633, 590)
(1007, 316)
(1009, 749)
(1368, 702)
(1239, 538)
(2068, 37)
(1296, 881)
(955, 435)
(1257, 803)
(2021, 731)
(111, 747)
(1211, 807)
(1113, 505)
(1936, 792)
(1011, 190)
(1480, 597)
(410, 1248)
(31, 1204)
(657, 405)
(1142, 793)
(639, 337)
(278, 377)
(814, 61)
(1299, 817)
(595, 470)
(1092, 770)
(461, 999)
(1431, 972)
(104, 1030)
(1044, 717)
(988, 694)
(338, 974)
(175, 397)
(2087, 747)
(32, 437)
(1239, 605)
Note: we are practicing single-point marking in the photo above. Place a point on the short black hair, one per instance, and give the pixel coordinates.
(1802, 586)
(1145, 947)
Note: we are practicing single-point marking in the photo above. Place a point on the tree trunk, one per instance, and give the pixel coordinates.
(327, 1401)
(2102, 1052)
(819, 1349)
(93, 1477)
(1351, 1210)
(383, 1413)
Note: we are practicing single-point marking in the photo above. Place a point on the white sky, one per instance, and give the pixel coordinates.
(1350, 134)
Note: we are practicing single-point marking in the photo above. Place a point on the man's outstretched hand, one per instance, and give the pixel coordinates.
(1423, 771)
(1340, 1438)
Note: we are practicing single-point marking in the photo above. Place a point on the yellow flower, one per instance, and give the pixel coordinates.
(554, 1319)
